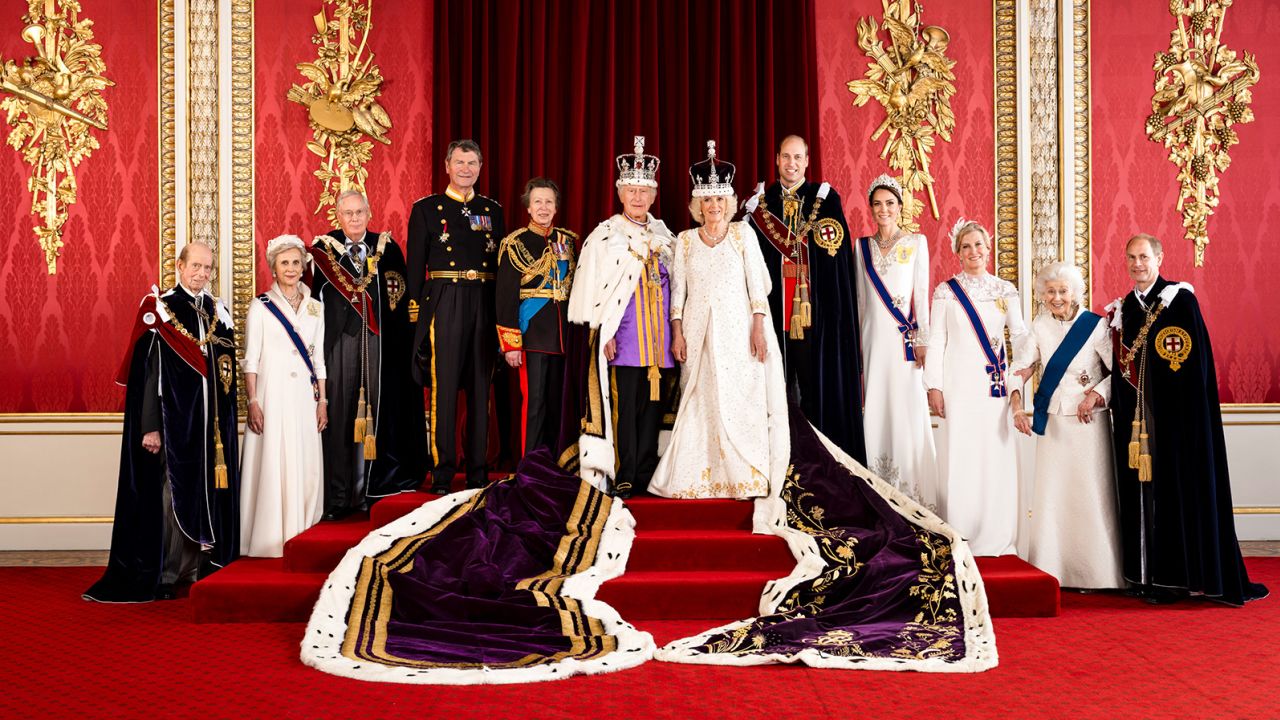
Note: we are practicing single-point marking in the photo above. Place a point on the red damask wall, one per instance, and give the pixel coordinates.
(964, 169)
(399, 174)
(62, 336)
(1134, 189)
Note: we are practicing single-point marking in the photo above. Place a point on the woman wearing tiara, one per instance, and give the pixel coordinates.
(732, 416)
(965, 371)
(893, 304)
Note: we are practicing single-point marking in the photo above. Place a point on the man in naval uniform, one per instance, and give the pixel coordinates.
(374, 443)
(535, 272)
(1177, 529)
(622, 292)
(807, 247)
(177, 504)
(453, 259)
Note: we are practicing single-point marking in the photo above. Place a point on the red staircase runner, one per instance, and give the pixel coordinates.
(692, 559)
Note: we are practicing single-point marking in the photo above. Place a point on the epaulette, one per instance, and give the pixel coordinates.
(572, 235)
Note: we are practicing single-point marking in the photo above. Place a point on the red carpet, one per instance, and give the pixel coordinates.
(1106, 656)
(692, 559)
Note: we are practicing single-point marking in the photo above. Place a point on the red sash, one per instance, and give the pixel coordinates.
(148, 319)
(1120, 351)
(778, 235)
(341, 279)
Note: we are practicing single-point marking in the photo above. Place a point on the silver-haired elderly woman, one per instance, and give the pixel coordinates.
(731, 421)
(281, 474)
(1073, 528)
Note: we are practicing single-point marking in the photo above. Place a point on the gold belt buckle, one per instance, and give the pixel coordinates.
(470, 274)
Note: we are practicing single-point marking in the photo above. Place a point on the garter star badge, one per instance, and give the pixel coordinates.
(829, 235)
(395, 288)
(1173, 344)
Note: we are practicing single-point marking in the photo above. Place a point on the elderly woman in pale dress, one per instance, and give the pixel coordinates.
(732, 415)
(1073, 528)
(281, 473)
(966, 373)
(893, 305)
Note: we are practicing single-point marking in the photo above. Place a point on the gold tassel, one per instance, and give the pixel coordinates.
(654, 389)
(1133, 447)
(370, 447)
(219, 463)
(1144, 455)
(806, 309)
(361, 409)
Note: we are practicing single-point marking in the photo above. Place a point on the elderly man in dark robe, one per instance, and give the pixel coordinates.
(177, 505)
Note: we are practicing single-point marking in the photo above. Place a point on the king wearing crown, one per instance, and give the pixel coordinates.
(802, 232)
(622, 292)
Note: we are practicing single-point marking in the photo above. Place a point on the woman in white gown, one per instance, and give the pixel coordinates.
(965, 372)
(732, 406)
(893, 304)
(281, 474)
(1073, 529)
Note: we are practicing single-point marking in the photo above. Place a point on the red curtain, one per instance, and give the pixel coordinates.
(559, 87)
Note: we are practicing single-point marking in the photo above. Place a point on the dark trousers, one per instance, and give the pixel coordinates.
(181, 554)
(543, 376)
(801, 380)
(463, 346)
(636, 431)
(345, 469)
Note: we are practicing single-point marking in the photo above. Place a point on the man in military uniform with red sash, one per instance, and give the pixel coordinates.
(1176, 520)
(453, 260)
(535, 272)
(807, 247)
(373, 445)
(177, 503)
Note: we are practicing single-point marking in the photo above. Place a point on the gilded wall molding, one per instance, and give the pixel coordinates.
(1005, 91)
(1044, 161)
(202, 122)
(243, 251)
(1081, 139)
(168, 218)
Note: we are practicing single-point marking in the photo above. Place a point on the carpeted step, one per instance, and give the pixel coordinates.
(320, 548)
(1016, 588)
(664, 550)
(718, 596)
(651, 513)
(256, 590)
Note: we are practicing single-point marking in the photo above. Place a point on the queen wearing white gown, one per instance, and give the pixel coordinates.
(893, 304)
(281, 473)
(966, 374)
(729, 438)
(1073, 530)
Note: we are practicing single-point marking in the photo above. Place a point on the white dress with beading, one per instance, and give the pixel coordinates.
(1073, 531)
(732, 414)
(895, 413)
(282, 471)
(978, 466)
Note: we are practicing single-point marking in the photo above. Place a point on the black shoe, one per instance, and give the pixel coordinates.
(335, 514)
(476, 485)
(1160, 596)
(166, 591)
(364, 506)
(438, 488)
(622, 490)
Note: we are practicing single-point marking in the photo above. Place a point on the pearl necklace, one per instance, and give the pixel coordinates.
(714, 239)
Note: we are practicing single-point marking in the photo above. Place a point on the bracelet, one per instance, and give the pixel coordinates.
(323, 401)
(254, 401)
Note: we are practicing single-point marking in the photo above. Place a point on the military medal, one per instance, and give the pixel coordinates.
(444, 231)
(490, 246)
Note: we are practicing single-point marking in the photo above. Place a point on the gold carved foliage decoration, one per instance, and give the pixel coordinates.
(912, 78)
(1201, 91)
(54, 98)
(341, 96)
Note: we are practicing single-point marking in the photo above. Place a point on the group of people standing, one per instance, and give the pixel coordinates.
(717, 333)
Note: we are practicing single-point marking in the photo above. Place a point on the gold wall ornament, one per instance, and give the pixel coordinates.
(912, 79)
(341, 95)
(54, 99)
(1201, 91)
